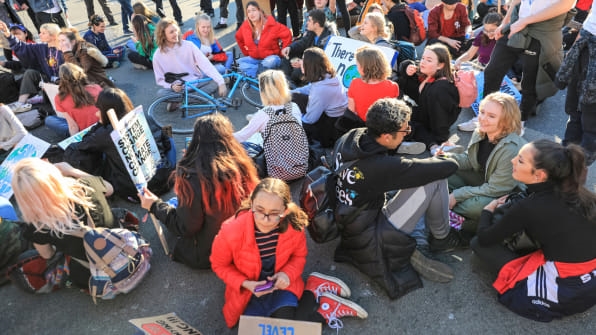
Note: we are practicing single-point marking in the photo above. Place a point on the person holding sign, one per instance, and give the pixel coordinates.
(211, 180)
(179, 56)
(75, 102)
(259, 39)
(96, 153)
(260, 255)
(53, 199)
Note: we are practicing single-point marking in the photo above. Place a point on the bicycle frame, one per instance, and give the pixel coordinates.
(217, 104)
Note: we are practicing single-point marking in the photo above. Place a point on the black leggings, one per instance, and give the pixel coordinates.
(493, 256)
(305, 311)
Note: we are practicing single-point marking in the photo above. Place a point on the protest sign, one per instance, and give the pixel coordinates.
(506, 87)
(78, 137)
(137, 148)
(167, 324)
(342, 54)
(28, 146)
(51, 91)
(256, 325)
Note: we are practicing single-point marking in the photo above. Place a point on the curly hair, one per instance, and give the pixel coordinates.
(295, 216)
(225, 172)
(387, 116)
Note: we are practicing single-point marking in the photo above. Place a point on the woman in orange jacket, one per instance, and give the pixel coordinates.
(258, 38)
(260, 255)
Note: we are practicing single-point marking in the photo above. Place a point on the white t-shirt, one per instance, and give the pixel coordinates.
(590, 23)
(531, 7)
(258, 123)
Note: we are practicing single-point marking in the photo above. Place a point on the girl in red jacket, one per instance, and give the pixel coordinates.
(260, 255)
(258, 38)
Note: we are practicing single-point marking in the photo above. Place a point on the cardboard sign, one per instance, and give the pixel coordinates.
(136, 146)
(78, 137)
(254, 325)
(167, 324)
(51, 91)
(29, 146)
(506, 87)
(342, 54)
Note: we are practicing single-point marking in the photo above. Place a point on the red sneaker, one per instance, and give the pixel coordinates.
(318, 283)
(332, 308)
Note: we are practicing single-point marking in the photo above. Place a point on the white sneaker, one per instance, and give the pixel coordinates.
(411, 148)
(523, 128)
(454, 149)
(469, 125)
(139, 66)
(19, 107)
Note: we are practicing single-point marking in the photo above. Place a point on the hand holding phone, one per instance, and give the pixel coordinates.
(265, 287)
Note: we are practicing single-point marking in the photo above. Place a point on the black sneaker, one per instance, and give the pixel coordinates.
(431, 269)
(451, 242)
(220, 26)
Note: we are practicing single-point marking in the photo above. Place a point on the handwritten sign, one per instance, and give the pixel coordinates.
(506, 87)
(254, 325)
(342, 54)
(29, 146)
(167, 324)
(136, 146)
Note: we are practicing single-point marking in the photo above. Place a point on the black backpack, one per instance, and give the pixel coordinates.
(161, 183)
(406, 50)
(9, 89)
(285, 145)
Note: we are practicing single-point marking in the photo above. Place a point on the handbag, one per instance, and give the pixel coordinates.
(519, 242)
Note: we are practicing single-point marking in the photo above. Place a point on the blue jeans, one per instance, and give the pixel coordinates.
(58, 125)
(126, 9)
(252, 67)
(267, 304)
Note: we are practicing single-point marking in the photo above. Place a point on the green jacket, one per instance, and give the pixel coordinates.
(497, 177)
(140, 47)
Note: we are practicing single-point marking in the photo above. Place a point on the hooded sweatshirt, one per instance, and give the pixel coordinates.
(327, 95)
(379, 170)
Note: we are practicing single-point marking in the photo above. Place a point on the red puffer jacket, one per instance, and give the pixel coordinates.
(272, 33)
(235, 258)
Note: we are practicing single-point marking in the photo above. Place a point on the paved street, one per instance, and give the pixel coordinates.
(467, 305)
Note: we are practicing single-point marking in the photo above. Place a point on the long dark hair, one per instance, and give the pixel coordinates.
(139, 24)
(225, 172)
(490, 18)
(73, 81)
(112, 98)
(443, 57)
(295, 216)
(566, 169)
(316, 65)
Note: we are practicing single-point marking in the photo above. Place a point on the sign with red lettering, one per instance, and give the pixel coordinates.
(167, 324)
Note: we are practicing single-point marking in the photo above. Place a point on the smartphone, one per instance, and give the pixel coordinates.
(265, 287)
(187, 142)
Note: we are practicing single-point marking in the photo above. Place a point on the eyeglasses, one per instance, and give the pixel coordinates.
(488, 32)
(259, 215)
(407, 130)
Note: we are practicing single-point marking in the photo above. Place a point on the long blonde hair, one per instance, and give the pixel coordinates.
(211, 37)
(46, 198)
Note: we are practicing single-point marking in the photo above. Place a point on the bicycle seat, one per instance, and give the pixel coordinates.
(172, 77)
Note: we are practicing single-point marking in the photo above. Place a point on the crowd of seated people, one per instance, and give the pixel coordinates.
(394, 223)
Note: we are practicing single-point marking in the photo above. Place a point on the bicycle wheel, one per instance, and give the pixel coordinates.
(251, 94)
(181, 122)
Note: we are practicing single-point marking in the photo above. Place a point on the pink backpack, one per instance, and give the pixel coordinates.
(465, 81)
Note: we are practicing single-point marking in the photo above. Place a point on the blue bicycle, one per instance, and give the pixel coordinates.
(177, 108)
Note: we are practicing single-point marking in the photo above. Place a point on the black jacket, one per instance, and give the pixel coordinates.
(368, 240)
(308, 40)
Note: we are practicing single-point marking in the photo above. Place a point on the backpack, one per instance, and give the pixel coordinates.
(417, 30)
(465, 81)
(285, 145)
(35, 274)
(317, 199)
(405, 50)
(9, 89)
(118, 260)
(30, 119)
